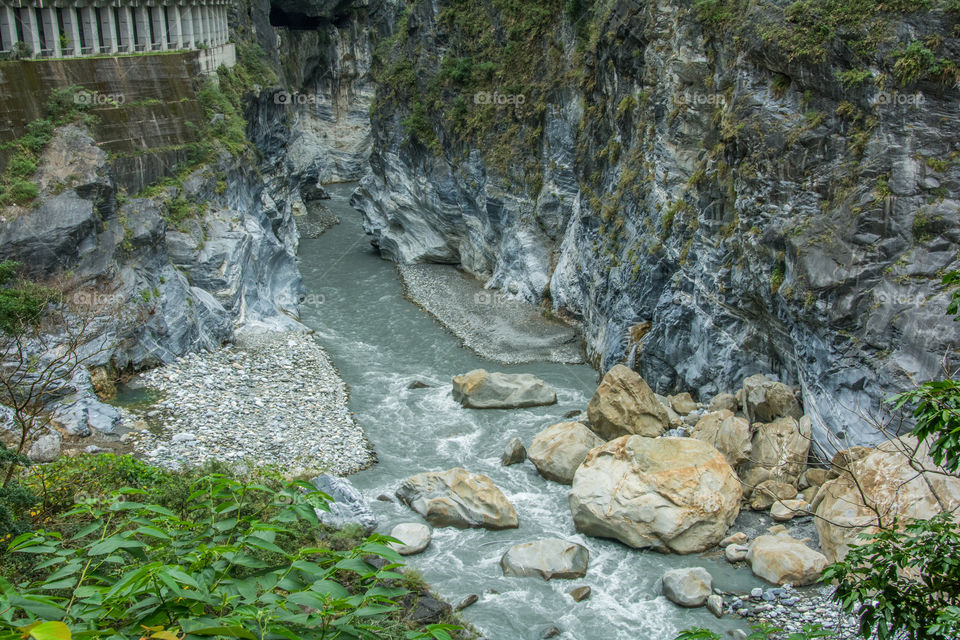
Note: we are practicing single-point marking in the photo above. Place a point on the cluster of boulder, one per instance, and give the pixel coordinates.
(672, 475)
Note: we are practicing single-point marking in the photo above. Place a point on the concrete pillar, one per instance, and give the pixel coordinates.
(142, 22)
(224, 25)
(160, 26)
(71, 29)
(8, 28)
(186, 24)
(199, 35)
(51, 31)
(175, 26)
(91, 32)
(125, 27)
(31, 29)
(108, 27)
(207, 25)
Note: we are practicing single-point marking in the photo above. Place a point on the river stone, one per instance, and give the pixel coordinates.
(768, 492)
(480, 389)
(414, 537)
(515, 453)
(46, 448)
(735, 552)
(547, 558)
(623, 404)
(687, 587)
(580, 593)
(734, 538)
(348, 507)
(667, 494)
(559, 449)
(781, 559)
(731, 435)
(682, 403)
(784, 510)
(779, 451)
(766, 400)
(458, 498)
(884, 479)
(723, 401)
(467, 601)
(715, 605)
(79, 413)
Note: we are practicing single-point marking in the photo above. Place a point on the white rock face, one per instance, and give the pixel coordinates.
(558, 450)
(667, 494)
(480, 389)
(547, 559)
(781, 559)
(687, 587)
(458, 498)
(890, 485)
(414, 537)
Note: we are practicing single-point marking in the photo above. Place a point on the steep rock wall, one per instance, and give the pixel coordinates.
(711, 185)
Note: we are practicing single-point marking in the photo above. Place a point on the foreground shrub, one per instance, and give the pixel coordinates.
(222, 570)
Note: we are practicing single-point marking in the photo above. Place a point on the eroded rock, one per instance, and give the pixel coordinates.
(458, 498)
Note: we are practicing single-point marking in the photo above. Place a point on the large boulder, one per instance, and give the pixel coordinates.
(458, 498)
(624, 404)
(781, 559)
(480, 389)
(548, 558)
(559, 449)
(731, 435)
(668, 494)
(348, 507)
(883, 481)
(779, 452)
(687, 587)
(765, 400)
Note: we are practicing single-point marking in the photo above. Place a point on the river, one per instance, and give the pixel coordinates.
(381, 342)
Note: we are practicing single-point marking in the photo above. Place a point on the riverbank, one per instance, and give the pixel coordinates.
(266, 399)
(490, 324)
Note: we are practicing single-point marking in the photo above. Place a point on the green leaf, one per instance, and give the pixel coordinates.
(53, 630)
(231, 631)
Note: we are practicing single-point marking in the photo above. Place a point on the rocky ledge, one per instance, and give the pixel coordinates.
(267, 399)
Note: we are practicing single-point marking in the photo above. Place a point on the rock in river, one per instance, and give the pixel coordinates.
(348, 506)
(547, 558)
(514, 453)
(480, 389)
(559, 449)
(624, 404)
(458, 498)
(414, 537)
(668, 494)
(687, 587)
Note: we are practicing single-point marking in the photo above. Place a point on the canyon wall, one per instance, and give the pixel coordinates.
(727, 188)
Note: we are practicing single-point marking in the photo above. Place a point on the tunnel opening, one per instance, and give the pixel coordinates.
(291, 20)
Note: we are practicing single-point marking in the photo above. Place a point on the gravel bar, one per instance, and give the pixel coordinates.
(489, 323)
(268, 399)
